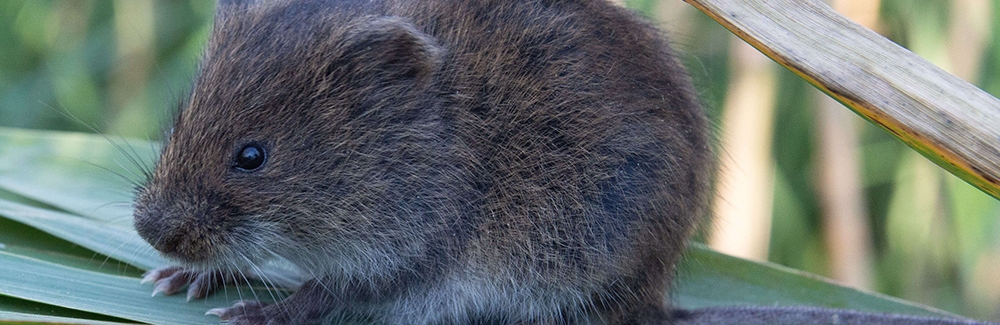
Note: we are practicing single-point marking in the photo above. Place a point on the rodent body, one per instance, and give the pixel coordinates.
(434, 162)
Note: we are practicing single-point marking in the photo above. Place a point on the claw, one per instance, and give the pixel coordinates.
(196, 289)
(238, 309)
(150, 276)
(216, 311)
(162, 287)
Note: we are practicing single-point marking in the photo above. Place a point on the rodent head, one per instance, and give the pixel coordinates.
(292, 130)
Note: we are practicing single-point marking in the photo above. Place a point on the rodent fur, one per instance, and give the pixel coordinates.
(435, 162)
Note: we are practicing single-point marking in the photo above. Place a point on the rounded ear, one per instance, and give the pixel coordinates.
(393, 48)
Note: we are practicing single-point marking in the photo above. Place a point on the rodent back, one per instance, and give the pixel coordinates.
(588, 143)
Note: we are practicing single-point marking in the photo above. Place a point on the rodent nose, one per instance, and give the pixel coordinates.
(154, 228)
(147, 229)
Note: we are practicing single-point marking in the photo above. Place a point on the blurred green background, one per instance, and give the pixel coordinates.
(120, 67)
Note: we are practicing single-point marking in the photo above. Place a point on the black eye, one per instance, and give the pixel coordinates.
(251, 157)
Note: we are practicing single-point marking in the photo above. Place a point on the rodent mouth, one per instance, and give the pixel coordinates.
(187, 260)
(187, 253)
(184, 233)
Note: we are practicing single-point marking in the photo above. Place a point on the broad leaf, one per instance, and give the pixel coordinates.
(105, 294)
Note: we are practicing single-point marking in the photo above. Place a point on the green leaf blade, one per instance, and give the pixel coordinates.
(116, 296)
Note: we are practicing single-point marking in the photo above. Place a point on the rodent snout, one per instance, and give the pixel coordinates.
(155, 230)
(174, 237)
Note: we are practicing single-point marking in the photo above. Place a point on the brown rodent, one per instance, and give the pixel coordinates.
(429, 162)
(434, 162)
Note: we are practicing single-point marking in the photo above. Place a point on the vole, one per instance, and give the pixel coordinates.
(434, 162)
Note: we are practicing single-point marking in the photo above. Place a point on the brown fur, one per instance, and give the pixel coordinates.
(436, 162)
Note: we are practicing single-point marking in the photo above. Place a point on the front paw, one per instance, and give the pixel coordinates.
(199, 283)
(311, 304)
